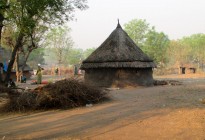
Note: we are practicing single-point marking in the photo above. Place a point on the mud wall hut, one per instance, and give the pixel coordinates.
(187, 69)
(118, 62)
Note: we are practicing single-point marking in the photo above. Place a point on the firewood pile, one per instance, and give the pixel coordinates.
(167, 82)
(63, 94)
(4, 89)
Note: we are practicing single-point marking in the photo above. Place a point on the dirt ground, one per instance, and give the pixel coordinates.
(160, 112)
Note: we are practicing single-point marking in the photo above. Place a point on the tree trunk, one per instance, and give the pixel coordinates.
(10, 66)
(1, 26)
(17, 67)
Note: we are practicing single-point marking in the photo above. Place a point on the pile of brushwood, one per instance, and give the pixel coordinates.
(63, 94)
(167, 82)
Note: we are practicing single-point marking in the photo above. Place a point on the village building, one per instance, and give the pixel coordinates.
(182, 68)
(187, 69)
(118, 62)
(13, 75)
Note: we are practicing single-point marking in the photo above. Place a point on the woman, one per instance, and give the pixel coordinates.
(39, 74)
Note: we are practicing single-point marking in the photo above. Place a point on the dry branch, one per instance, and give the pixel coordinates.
(62, 94)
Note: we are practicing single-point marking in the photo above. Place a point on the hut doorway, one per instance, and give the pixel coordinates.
(192, 70)
(183, 70)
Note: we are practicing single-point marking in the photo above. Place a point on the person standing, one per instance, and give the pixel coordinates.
(56, 71)
(39, 74)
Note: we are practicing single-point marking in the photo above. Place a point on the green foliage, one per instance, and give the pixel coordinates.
(188, 50)
(75, 56)
(137, 30)
(36, 57)
(28, 14)
(196, 44)
(59, 39)
(155, 46)
(3, 8)
(72, 57)
(177, 53)
(50, 57)
(88, 51)
(158, 46)
(153, 43)
(30, 18)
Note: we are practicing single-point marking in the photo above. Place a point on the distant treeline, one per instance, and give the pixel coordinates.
(166, 52)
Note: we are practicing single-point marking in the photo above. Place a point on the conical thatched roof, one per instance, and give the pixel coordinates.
(118, 51)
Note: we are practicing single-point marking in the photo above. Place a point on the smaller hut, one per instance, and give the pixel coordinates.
(182, 68)
(187, 69)
(27, 72)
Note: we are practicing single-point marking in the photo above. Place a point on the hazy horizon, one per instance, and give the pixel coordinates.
(176, 18)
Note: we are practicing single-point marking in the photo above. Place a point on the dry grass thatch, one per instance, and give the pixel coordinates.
(10, 92)
(62, 94)
(118, 50)
(136, 64)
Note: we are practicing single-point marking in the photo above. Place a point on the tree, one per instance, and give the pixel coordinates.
(137, 30)
(187, 50)
(195, 43)
(36, 57)
(177, 53)
(29, 15)
(75, 56)
(153, 43)
(156, 45)
(3, 7)
(58, 38)
(88, 51)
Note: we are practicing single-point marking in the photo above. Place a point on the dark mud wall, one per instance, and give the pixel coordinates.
(119, 77)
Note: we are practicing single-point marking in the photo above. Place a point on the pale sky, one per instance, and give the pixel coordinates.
(176, 18)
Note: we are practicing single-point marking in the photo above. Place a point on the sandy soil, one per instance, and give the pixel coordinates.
(161, 112)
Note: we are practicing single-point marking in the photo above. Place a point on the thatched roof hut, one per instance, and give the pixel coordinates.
(118, 62)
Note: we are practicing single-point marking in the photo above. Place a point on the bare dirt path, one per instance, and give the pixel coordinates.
(162, 112)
